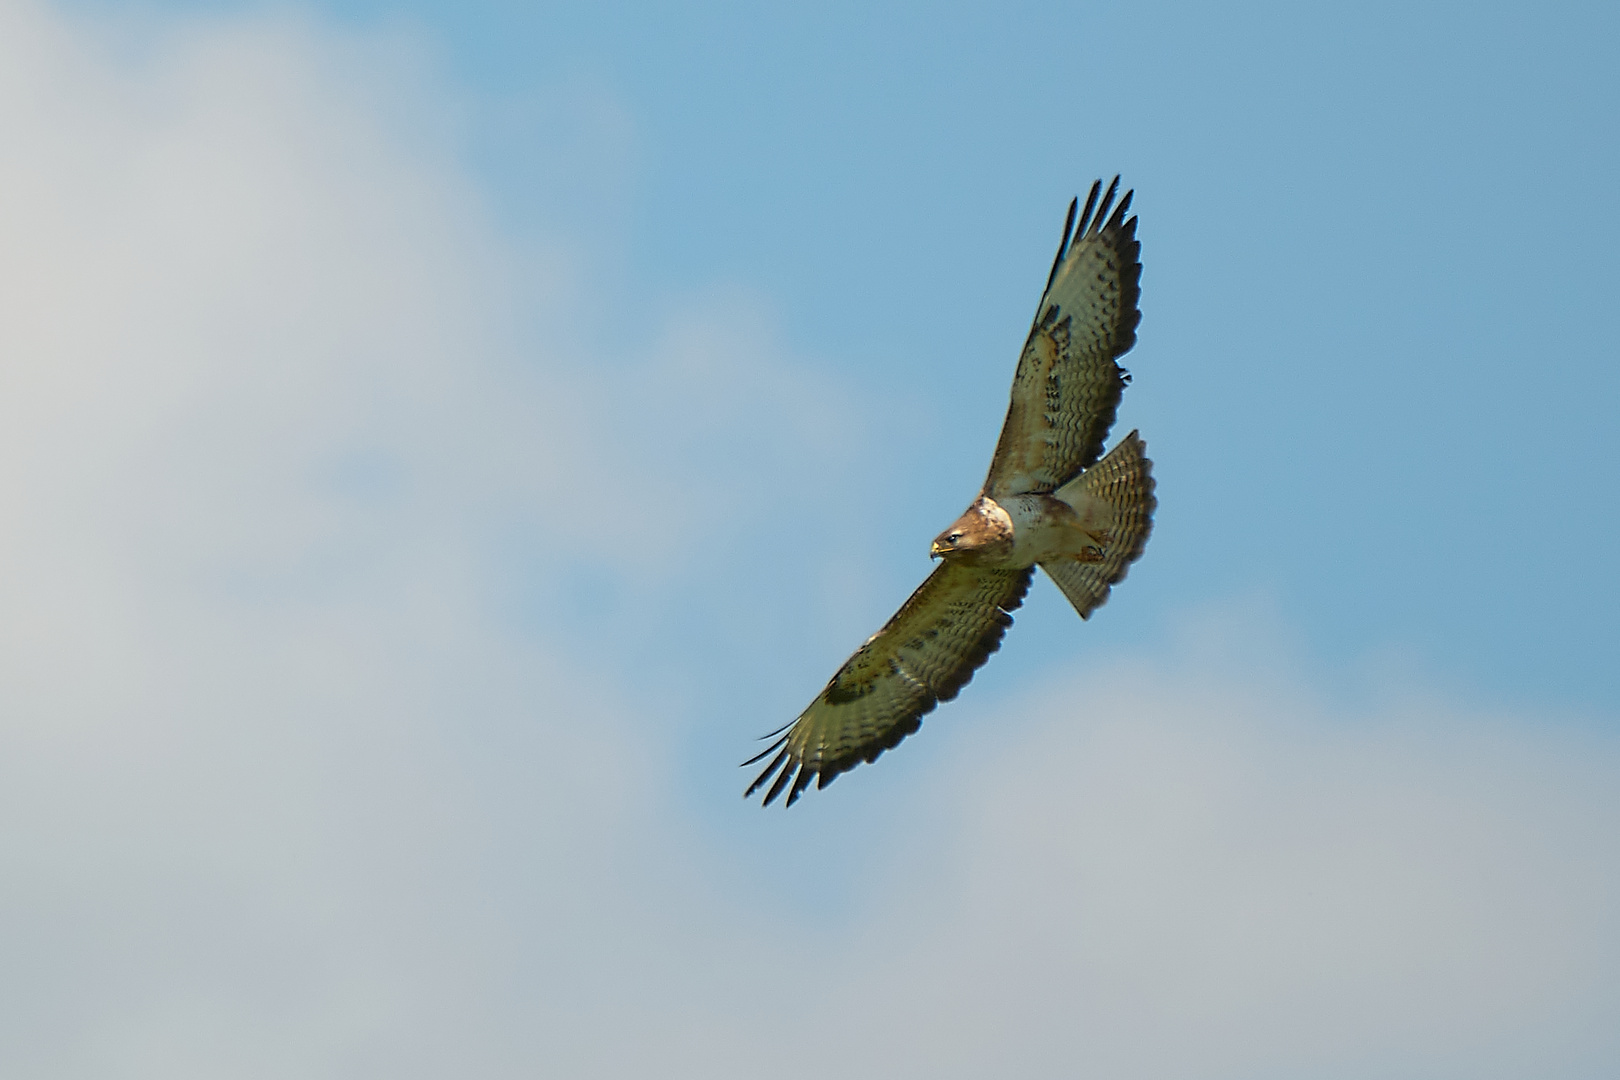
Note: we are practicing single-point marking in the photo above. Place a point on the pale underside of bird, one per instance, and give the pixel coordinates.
(1048, 501)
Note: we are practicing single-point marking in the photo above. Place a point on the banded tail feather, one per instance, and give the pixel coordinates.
(1123, 482)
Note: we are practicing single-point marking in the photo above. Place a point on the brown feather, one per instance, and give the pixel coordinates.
(924, 655)
(1064, 396)
(1068, 385)
(1124, 481)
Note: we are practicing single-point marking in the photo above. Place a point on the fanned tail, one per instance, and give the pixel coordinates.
(1123, 482)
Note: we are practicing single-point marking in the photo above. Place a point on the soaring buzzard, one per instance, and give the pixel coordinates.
(1048, 500)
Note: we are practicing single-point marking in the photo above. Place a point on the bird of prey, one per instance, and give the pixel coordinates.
(1048, 501)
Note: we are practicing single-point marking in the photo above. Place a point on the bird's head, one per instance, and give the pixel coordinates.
(985, 529)
(948, 542)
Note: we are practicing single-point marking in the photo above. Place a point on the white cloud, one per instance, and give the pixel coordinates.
(1197, 867)
(287, 789)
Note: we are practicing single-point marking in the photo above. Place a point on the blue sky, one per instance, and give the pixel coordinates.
(439, 438)
(1378, 237)
(1378, 240)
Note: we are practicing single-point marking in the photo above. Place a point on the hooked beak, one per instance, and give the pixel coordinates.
(936, 550)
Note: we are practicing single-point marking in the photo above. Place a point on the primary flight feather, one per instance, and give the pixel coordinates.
(1047, 501)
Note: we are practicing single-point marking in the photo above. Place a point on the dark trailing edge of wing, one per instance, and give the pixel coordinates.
(1126, 244)
(1119, 232)
(795, 777)
(1124, 241)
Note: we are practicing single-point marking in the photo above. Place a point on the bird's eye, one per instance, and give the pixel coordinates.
(953, 538)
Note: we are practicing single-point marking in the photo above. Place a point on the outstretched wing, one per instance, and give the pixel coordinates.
(1068, 385)
(922, 656)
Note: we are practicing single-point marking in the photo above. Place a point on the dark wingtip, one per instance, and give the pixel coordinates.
(782, 779)
(1063, 241)
(759, 780)
(1102, 208)
(1091, 204)
(1118, 220)
(763, 752)
(800, 782)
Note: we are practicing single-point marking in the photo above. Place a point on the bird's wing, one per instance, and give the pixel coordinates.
(922, 656)
(1068, 385)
